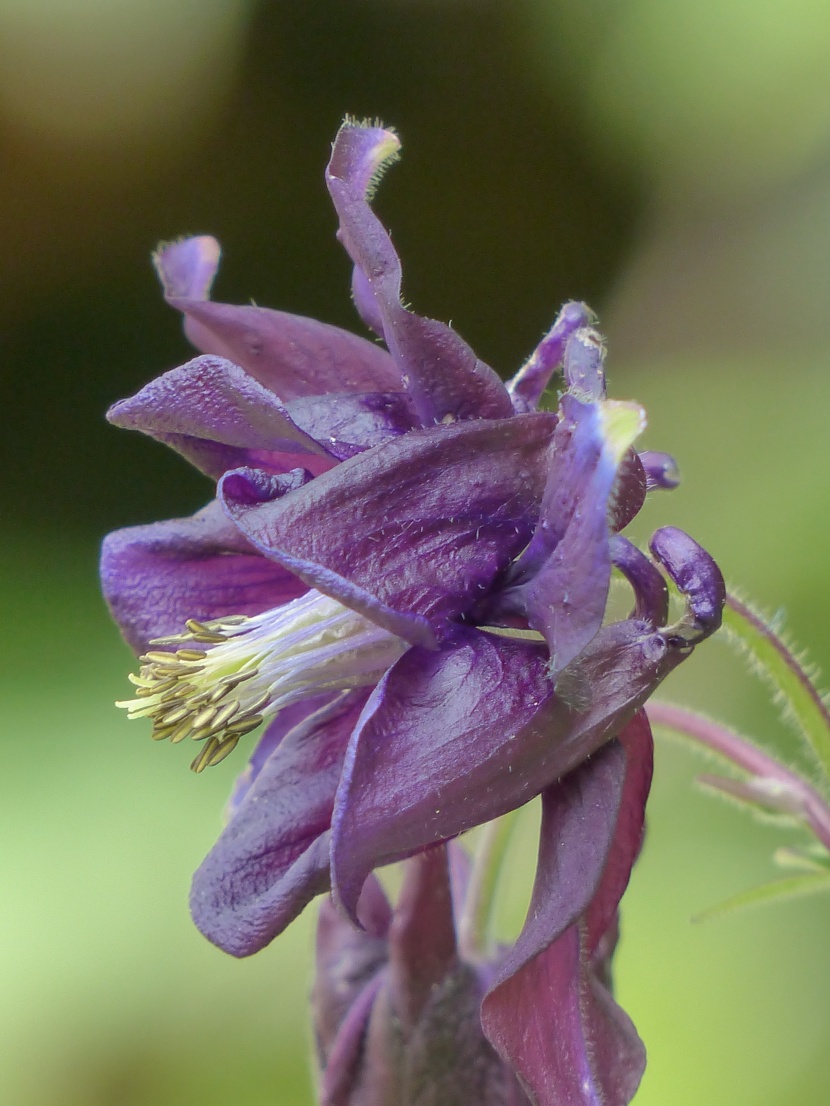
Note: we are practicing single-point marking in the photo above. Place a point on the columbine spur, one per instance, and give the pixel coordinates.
(417, 1008)
(405, 574)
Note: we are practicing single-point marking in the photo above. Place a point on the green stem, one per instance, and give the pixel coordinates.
(475, 924)
(776, 662)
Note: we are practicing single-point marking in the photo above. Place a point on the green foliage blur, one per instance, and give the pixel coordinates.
(667, 162)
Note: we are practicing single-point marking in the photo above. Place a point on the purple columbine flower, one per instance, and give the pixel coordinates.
(405, 574)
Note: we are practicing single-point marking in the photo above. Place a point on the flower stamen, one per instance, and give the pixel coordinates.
(251, 668)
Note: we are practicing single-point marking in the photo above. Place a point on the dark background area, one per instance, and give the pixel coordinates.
(500, 212)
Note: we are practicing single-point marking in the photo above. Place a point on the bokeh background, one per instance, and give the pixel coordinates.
(668, 162)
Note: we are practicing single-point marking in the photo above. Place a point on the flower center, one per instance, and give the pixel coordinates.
(229, 675)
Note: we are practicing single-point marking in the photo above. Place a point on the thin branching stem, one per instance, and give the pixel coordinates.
(746, 756)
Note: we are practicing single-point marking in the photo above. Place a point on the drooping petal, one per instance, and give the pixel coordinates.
(565, 572)
(579, 819)
(526, 387)
(636, 741)
(289, 354)
(444, 376)
(156, 577)
(218, 417)
(454, 738)
(273, 856)
(432, 518)
(410, 778)
(548, 1012)
(344, 1058)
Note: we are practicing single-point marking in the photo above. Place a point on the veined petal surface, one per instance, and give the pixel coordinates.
(432, 518)
(155, 577)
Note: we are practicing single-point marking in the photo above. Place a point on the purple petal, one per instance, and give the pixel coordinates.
(342, 1058)
(351, 422)
(348, 959)
(660, 468)
(156, 577)
(559, 1028)
(345, 1058)
(651, 595)
(629, 493)
(432, 518)
(454, 738)
(567, 566)
(364, 301)
(274, 732)
(695, 573)
(527, 386)
(218, 417)
(548, 1013)
(273, 856)
(636, 741)
(584, 364)
(187, 267)
(422, 949)
(579, 818)
(289, 354)
(444, 376)
(430, 721)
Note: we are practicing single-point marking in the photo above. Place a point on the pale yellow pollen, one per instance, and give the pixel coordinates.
(250, 668)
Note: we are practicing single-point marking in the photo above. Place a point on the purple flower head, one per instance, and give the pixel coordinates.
(407, 1011)
(404, 575)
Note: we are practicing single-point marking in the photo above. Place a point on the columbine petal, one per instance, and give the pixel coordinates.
(218, 417)
(584, 364)
(660, 468)
(287, 719)
(272, 858)
(629, 492)
(350, 422)
(432, 518)
(365, 302)
(651, 595)
(291, 355)
(156, 577)
(527, 386)
(436, 717)
(697, 576)
(348, 960)
(444, 376)
(479, 728)
(187, 268)
(549, 1012)
(565, 572)
(637, 742)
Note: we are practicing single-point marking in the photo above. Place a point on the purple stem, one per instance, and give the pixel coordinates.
(747, 757)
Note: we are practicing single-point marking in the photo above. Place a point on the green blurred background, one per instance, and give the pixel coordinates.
(668, 162)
